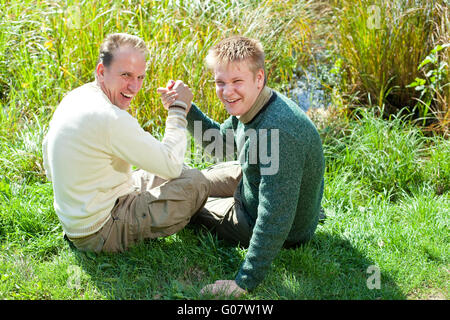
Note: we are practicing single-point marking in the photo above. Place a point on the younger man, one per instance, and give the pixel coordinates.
(265, 205)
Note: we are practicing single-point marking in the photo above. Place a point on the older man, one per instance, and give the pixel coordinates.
(92, 144)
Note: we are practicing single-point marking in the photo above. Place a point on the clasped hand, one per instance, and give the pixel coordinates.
(176, 90)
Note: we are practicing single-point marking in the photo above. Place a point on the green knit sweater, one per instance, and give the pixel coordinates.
(282, 205)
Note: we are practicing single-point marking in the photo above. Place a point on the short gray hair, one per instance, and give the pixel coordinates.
(115, 41)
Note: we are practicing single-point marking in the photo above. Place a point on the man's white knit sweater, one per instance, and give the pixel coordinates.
(88, 152)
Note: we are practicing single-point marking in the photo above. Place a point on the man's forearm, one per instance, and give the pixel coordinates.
(175, 133)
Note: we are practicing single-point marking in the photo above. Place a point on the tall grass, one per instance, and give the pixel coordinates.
(382, 43)
(51, 47)
(392, 157)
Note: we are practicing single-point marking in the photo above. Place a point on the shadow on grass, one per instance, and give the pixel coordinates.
(329, 267)
(177, 267)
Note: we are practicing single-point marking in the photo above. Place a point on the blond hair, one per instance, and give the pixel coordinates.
(115, 41)
(237, 49)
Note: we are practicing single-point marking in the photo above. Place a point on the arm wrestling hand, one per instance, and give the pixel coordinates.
(224, 287)
(176, 90)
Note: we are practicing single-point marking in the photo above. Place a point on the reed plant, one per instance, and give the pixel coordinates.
(382, 43)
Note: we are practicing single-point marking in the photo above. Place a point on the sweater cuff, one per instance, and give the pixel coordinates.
(176, 117)
(244, 282)
(179, 103)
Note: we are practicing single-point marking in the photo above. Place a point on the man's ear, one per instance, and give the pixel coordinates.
(260, 78)
(100, 70)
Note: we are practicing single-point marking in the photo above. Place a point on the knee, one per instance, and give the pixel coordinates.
(199, 182)
(202, 184)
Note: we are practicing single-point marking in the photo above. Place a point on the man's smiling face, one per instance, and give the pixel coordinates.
(237, 86)
(123, 78)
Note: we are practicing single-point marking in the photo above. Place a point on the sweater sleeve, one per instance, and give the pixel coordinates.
(278, 197)
(136, 146)
(47, 170)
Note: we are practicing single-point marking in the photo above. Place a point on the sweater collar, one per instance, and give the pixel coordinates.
(261, 100)
(97, 87)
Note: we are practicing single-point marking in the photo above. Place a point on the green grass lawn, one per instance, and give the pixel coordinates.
(387, 205)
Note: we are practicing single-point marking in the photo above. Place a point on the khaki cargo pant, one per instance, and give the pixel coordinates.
(223, 213)
(159, 208)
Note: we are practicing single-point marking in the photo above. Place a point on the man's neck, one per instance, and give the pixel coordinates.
(260, 102)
